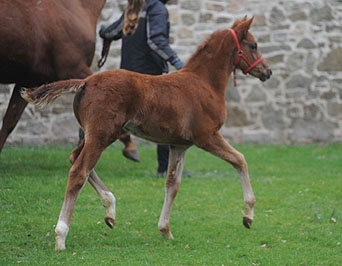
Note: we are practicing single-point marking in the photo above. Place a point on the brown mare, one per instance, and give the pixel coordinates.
(44, 40)
(182, 109)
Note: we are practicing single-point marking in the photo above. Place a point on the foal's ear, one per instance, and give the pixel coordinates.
(243, 27)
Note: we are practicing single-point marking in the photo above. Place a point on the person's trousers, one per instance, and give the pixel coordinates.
(163, 157)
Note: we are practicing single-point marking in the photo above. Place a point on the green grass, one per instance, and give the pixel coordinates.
(298, 191)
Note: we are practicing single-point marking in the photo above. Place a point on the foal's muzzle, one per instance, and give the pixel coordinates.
(265, 75)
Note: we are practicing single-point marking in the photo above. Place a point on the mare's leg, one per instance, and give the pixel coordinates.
(218, 146)
(173, 180)
(13, 113)
(130, 151)
(81, 168)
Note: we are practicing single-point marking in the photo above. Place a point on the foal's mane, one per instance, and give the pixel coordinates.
(207, 44)
(241, 26)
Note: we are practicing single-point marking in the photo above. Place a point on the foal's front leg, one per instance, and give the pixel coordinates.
(218, 146)
(173, 180)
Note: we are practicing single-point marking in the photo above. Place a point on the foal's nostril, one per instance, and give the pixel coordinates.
(266, 74)
(263, 76)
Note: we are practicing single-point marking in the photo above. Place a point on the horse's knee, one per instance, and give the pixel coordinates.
(240, 162)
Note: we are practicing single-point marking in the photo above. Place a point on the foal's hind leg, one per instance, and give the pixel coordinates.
(78, 175)
(218, 146)
(107, 197)
(76, 152)
(173, 180)
(130, 151)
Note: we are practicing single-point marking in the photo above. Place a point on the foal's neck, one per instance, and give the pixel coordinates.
(212, 61)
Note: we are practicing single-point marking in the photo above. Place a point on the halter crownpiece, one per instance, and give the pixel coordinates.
(241, 55)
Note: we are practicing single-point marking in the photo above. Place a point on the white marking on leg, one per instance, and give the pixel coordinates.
(164, 220)
(174, 175)
(107, 198)
(248, 195)
(61, 232)
(109, 202)
(62, 227)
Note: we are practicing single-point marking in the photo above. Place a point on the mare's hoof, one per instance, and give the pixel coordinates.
(247, 222)
(132, 155)
(109, 221)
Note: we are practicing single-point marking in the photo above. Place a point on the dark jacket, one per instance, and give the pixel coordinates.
(148, 49)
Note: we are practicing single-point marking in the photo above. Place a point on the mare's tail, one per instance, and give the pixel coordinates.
(45, 94)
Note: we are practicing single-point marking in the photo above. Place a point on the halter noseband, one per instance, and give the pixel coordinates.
(241, 55)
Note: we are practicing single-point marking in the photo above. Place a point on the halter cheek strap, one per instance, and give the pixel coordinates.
(241, 55)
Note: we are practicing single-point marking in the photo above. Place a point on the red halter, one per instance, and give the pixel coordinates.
(241, 55)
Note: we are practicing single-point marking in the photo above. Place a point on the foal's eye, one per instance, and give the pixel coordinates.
(253, 46)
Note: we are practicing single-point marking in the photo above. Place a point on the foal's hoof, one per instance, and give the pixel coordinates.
(109, 221)
(132, 155)
(60, 244)
(247, 222)
(166, 233)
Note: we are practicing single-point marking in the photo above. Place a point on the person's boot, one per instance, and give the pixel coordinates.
(130, 151)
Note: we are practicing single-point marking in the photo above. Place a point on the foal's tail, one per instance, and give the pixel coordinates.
(48, 93)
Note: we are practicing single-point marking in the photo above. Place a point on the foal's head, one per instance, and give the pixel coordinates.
(248, 57)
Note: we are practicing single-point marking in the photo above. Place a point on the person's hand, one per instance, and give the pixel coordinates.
(102, 32)
(179, 64)
(176, 62)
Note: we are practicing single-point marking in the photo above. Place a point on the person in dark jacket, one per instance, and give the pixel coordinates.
(147, 51)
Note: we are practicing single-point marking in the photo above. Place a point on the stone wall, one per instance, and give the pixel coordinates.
(301, 103)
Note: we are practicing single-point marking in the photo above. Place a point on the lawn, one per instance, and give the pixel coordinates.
(298, 214)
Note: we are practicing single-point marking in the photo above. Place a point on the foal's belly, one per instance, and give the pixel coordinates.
(155, 134)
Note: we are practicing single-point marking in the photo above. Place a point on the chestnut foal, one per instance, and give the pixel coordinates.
(182, 109)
